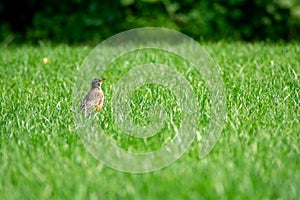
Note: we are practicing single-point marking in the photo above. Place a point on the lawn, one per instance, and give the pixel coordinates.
(257, 156)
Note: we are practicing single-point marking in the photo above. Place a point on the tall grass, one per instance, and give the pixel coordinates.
(257, 156)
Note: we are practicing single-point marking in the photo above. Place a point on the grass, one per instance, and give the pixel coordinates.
(257, 156)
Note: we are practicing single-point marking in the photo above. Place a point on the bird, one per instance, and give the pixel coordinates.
(94, 98)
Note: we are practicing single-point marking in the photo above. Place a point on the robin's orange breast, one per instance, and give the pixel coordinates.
(99, 106)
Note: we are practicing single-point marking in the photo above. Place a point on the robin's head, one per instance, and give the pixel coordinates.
(97, 82)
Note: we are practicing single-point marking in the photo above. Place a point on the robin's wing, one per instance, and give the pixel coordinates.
(91, 100)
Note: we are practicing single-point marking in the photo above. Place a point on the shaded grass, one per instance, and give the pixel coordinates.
(257, 157)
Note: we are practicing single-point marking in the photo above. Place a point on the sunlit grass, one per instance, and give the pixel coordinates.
(257, 157)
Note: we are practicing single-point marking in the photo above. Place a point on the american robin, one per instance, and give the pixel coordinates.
(94, 99)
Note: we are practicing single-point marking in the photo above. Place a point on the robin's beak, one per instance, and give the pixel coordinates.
(101, 79)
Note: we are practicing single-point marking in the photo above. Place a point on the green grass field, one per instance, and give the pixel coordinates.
(257, 156)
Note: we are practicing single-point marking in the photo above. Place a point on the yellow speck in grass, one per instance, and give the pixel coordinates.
(46, 60)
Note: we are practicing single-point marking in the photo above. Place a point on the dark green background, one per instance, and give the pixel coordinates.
(74, 21)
